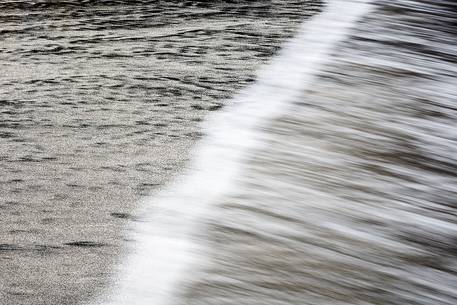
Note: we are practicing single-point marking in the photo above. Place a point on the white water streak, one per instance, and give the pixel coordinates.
(166, 249)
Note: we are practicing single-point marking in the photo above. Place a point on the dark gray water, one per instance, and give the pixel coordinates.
(353, 200)
(350, 199)
(100, 102)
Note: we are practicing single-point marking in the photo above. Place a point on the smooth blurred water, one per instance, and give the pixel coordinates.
(347, 197)
(353, 201)
(344, 192)
(167, 247)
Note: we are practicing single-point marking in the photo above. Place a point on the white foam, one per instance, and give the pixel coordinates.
(165, 249)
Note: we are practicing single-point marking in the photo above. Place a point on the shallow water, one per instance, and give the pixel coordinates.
(167, 248)
(345, 195)
(100, 102)
(353, 201)
(350, 197)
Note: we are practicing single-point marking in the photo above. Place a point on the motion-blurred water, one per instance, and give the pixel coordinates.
(354, 200)
(345, 195)
(167, 245)
(351, 198)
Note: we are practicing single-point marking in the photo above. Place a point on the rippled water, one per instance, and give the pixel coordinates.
(100, 102)
(166, 246)
(347, 196)
(351, 198)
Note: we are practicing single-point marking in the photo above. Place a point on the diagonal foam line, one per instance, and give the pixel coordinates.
(165, 251)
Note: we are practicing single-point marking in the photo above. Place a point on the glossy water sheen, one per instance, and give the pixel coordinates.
(99, 104)
(166, 250)
(353, 199)
(344, 192)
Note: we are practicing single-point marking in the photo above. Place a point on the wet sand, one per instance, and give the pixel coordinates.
(99, 106)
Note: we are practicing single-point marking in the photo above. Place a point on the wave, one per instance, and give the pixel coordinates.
(167, 248)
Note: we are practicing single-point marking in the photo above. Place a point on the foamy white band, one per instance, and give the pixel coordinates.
(164, 251)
